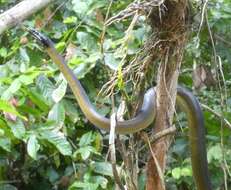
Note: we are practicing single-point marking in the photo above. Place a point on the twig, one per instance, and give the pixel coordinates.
(202, 17)
(159, 170)
(226, 122)
(159, 135)
(10, 182)
(53, 14)
(112, 151)
(222, 40)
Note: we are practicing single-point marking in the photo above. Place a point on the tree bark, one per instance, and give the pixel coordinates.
(20, 12)
(171, 32)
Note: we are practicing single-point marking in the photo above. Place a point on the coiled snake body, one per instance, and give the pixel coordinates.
(185, 99)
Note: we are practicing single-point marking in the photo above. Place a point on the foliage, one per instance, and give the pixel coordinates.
(46, 142)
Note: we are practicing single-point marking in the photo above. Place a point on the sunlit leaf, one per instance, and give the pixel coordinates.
(215, 152)
(33, 146)
(86, 139)
(58, 139)
(7, 107)
(103, 168)
(59, 92)
(5, 144)
(57, 114)
(81, 185)
(3, 52)
(17, 128)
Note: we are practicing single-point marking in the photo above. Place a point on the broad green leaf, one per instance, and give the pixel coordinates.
(186, 171)
(17, 83)
(37, 99)
(52, 175)
(33, 147)
(24, 56)
(7, 107)
(60, 46)
(2, 132)
(59, 92)
(102, 181)
(5, 144)
(85, 152)
(3, 52)
(46, 87)
(58, 140)
(71, 110)
(57, 114)
(17, 128)
(86, 139)
(111, 61)
(14, 87)
(176, 173)
(81, 7)
(103, 168)
(215, 152)
(87, 41)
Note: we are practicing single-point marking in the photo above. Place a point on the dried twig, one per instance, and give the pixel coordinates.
(113, 152)
(159, 170)
(143, 8)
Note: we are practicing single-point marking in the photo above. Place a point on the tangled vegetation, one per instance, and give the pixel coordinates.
(46, 142)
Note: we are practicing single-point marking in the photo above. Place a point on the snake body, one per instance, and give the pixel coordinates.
(185, 99)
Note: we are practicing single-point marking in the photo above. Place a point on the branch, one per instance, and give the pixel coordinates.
(20, 12)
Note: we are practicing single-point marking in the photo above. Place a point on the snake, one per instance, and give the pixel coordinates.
(145, 116)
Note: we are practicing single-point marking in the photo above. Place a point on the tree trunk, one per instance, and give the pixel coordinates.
(171, 34)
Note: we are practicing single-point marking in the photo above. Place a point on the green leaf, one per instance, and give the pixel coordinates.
(86, 139)
(7, 107)
(111, 61)
(33, 147)
(59, 92)
(17, 83)
(87, 41)
(103, 168)
(70, 20)
(17, 128)
(57, 114)
(186, 171)
(81, 7)
(52, 175)
(14, 87)
(58, 140)
(176, 173)
(102, 181)
(83, 185)
(24, 56)
(85, 152)
(71, 110)
(215, 152)
(5, 144)
(2, 132)
(37, 99)
(46, 87)
(3, 52)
